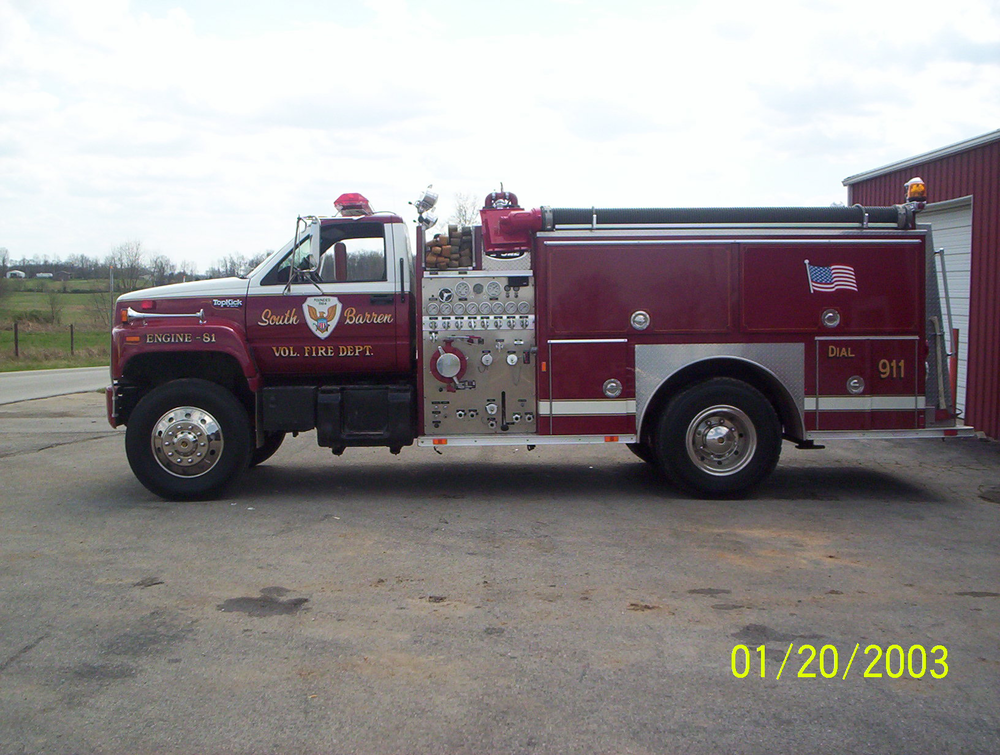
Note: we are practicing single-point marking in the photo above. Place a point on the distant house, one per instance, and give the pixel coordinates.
(43, 275)
(15, 274)
(62, 275)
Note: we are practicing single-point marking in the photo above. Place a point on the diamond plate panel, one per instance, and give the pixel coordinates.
(655, 364)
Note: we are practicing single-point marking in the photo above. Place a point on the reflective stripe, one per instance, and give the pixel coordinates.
(864, 403)
(587, 408)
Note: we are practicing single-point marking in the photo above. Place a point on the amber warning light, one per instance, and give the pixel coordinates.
(916, 191)
(352, 205)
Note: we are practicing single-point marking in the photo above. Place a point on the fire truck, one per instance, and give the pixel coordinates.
(700, 338)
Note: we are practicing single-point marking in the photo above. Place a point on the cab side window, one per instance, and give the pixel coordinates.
(353, 260)
(352, 253)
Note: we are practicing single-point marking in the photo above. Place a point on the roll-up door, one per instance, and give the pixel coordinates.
(951, 222)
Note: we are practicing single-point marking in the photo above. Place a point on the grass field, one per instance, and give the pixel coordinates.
(44, 329)
(47, 346)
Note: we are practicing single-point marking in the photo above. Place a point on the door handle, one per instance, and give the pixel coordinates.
(382, 298)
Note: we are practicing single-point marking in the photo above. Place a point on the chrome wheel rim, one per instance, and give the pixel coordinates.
(187, 441)
(721, 440)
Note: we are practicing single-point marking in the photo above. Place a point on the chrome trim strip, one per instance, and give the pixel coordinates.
(591, 340)
(521, 440)
(868, 338)
(961, 431)
(466, 273)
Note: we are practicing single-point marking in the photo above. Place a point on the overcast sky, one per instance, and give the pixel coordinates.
(203, 128)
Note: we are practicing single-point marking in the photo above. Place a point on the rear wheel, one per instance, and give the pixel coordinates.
(643, 451)
(188, 439)
(719, 438)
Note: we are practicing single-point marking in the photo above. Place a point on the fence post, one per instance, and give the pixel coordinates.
(16, 352)
(71, 339)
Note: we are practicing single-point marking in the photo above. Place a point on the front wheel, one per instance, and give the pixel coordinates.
(272, 442)
(188, 440)
(719, 438)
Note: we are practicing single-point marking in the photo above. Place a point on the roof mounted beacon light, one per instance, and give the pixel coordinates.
(916, 193)
(352, 205)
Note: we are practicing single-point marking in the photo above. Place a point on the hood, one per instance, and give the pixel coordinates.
(216, 288)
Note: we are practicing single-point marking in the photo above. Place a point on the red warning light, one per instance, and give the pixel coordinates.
(352, 205)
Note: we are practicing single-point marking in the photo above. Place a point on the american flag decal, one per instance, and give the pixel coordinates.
(832, 278)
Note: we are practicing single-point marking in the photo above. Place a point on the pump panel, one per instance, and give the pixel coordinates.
(479, 352)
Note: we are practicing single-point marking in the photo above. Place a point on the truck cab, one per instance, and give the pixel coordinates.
(209, 376)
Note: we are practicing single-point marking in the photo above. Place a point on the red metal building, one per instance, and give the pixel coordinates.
(963, 182)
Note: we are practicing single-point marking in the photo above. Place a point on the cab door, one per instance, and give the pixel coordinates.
(341, 313)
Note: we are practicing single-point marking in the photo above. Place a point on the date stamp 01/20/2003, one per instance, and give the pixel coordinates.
(825, 662)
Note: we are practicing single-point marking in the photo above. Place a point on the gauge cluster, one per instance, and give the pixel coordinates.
(478, 354)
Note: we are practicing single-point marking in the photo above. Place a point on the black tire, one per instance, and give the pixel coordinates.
(188, 440)
(644, 452)
(719, 438)
(272, 442)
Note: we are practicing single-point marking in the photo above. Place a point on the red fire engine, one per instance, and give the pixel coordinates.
(701, 338)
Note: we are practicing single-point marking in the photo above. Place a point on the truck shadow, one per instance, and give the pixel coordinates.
(570, 482)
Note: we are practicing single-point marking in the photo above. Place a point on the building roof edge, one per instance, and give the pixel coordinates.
(926, 157)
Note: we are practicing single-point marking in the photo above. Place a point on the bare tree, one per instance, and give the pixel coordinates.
(187, 269)
(236, 264)
(160, 269)
(466, 209)
(128, 259)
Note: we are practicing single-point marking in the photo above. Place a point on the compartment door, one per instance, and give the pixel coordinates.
(866, 384)
(591, 387)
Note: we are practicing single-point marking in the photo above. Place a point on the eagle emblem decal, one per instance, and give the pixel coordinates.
(322, 314)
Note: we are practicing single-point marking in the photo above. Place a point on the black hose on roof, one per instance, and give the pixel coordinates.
(899, 215)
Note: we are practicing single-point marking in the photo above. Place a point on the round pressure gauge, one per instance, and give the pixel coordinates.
(446, 309)
(493, 289)
(433, 308)
(511, 307)
(472, 308)
(459, 308)
(523, 307)
(462, 289)
(445, 294)
(498, 307)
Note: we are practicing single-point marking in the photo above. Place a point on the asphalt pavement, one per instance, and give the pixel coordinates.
(33, 384)
(495, 600)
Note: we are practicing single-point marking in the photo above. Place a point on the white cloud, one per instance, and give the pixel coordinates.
(203, 129)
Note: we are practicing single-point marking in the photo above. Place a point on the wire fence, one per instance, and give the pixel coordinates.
(23, 343)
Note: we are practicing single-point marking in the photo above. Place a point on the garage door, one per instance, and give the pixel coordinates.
(951, 222)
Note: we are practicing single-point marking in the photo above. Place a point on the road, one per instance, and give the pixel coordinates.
(32, 384)
(494, 601)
